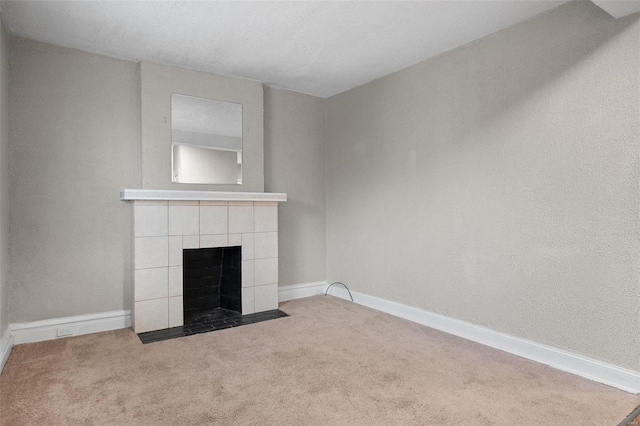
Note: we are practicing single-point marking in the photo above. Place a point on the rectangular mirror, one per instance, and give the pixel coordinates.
(206, 140)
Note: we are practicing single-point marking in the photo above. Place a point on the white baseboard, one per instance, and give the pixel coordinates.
(621, 378)
(298, 291)
(598, 371)
(6, 343)
(39, 331)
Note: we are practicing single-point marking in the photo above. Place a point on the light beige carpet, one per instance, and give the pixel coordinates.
(330, 362)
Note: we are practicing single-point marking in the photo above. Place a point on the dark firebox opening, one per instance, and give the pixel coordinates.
(212, 279)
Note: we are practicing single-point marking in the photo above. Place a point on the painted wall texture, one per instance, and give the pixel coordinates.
(295, 134)
(498, 183)
(4, 182)
(74, 144)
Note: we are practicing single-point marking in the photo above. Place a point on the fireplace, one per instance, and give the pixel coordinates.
(211, 279)
(166, 224)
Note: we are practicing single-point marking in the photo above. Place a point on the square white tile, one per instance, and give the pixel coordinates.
(151, 252)
(240, 219)
(265, 245)
(247, 273)
(247, 246)
(151, 315)
(266, 297)
(265, 271)
(248, 301)
(213, 203)
(151, 283)
(234, 240)
(190, 242)
(265, 218)
(184, 202)
(175, 281)
(176, 317)
(213, 219)
(151, 221)
(184, 220)
(175, 251)
(213, 241)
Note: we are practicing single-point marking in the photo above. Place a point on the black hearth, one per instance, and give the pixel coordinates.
(207, 321)
(211, 279)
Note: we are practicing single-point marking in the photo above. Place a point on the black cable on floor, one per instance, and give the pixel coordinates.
(342, 284)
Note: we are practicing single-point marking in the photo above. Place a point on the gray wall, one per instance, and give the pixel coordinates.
(295, 134)
(498, 183)
(74, 144)
(4, 182)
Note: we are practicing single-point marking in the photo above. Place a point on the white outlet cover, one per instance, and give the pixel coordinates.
(65, 331)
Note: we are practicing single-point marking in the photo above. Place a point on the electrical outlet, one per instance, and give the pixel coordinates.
(65, 331)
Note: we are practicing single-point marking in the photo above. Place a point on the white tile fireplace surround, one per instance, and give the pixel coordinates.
(166, 222)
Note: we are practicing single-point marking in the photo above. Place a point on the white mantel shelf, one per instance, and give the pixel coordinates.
(165, 194)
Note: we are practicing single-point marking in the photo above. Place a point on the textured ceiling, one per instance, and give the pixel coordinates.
(619, 8)
(318, 47)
